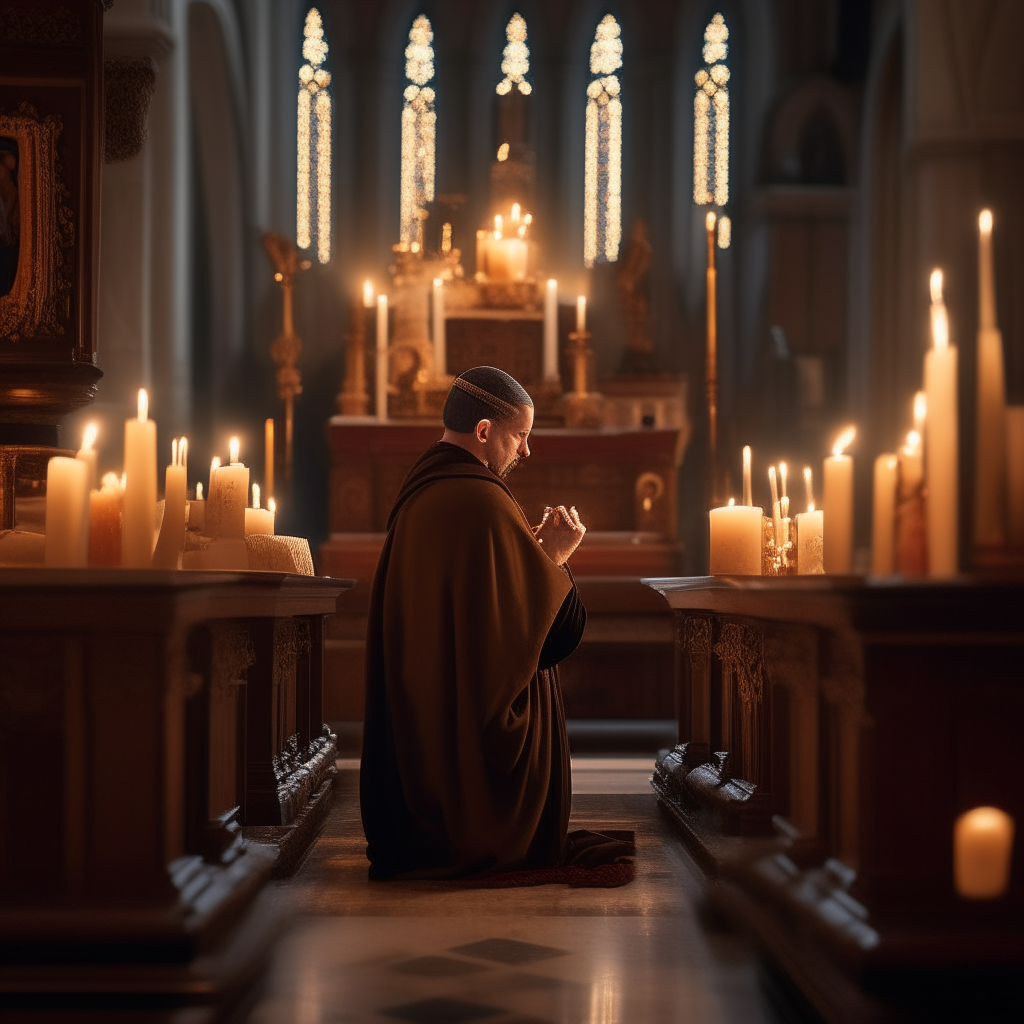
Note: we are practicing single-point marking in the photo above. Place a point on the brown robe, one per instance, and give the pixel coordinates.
(465, 765)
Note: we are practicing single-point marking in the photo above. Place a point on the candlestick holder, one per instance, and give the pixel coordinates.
(354, 400)
(583, 408)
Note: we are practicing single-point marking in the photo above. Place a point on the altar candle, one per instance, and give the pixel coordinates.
(982, 845)
(106, 509)
(258, 520)
(990, 438)
(810, 542)
(551, 330)
(87, 454)
(268, 455)
(172, 530)
(440, 359)
(883, 523)
(735, 540)
(140, 488)
(941, 445)
(776, 509)
(67, 504)
(748, 493)
(581, 314)
(382, 358)
(367, 294)
(809, 487)
(225, 507)
(838, 501)
(1015, 473)
(197, 511)
(481, 252)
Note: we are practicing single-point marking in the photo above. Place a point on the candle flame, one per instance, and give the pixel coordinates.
(214, 463)
(891, 462)
(174, 451)
(521, 231)
(498, 224)
(552, 284)
(382, 300)
(748, 497)
(89, 437)
(233, 449)
(784, 478)
(110, 481)
(920, 409)
(809, 487)
(183, 452)
(437, 282)
(255, 495)
(367, 293)
(913, 445)
(709, 221)
(844, 440)
(515, 213)
(272, 505)
(528, 219)
(784, 506)
(143, 405)
(935, 284)
(985, 222)
(497, 236)
(732, 501)
(199, 491)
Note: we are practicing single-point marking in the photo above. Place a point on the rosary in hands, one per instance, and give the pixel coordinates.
(560, 532)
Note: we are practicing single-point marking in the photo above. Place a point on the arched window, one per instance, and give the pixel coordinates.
(314, 135)
(419, 128)
(515, 58)
(602, 176)
(711, 119)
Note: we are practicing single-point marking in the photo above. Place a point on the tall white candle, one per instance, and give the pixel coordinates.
(268, 455)
(67, 513)
(982, 847)
(140, 488)
(941, 442)
(172, 531)
(382, 357)
(1015, 473)
(838, 500)
(990, 438)
(735, 540)
(440, 358)
(883, 522)
(551, 330)
(87, 454)
(581, 314)
(748, 493)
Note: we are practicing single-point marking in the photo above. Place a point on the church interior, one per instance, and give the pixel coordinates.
(752, 260)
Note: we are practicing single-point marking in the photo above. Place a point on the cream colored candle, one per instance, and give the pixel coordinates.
(268, 455)
(581, 314)
(172, 530)
(440, 356)
(258, 520)
(225, 507)
(67, 505)
(883, 520)
(87, 454)
(941, 442)
(838, 500)
(197, 511)
(140, 488)
(810, 542)
(551, 331)
(106, 510)
(990, 437)
(382, 357)
(1015, 474)
(982, 846)
(735, 540)
(748, 493)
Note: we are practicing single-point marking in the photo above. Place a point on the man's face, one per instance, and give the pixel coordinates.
(506, 440)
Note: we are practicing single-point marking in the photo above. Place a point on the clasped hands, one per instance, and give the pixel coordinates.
(560, 532)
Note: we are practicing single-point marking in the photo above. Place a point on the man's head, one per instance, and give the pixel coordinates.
(490, 414)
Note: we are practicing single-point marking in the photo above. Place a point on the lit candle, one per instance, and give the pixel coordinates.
(838, 500)
(982, 845)
(809, 487)
(581, 314)
(1015, 473)
(225, 507)
(268, 455)
(810, 536)
(67, 505)
(106, 510)
(382, 357)
(776, 509)
(515, 213)
(551, 331)
(941, 445)
(197, 511)
(883, 523)
(87, 454)
(140, 488)
(171, 542)
(990, 440)
(748, 493)
(367, 294)
(783, 480)
(481, 252)
(440, 359)
(258, 520)
(735, 540)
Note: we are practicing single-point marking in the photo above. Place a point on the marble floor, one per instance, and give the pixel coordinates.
(427, 951)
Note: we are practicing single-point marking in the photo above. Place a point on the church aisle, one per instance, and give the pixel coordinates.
(426, 951)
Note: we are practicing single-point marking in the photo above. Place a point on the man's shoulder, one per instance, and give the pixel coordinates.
(463, 491)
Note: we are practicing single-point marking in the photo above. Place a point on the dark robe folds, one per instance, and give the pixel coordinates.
(465, 766)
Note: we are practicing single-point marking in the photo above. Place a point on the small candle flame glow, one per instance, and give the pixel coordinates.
(272, 505)
(709, 221)
(255, 495)
(174, 451)
(143, 405)
(233, 449)
(515, 213)
(199, 491)
(367, 293)
(437, 282)
(748, 497)
(498, 225)
(89, 437)
(182, 459)
(732, 501)
(784, 479)
(110, 481)
(214, 463)
(913, 445)
(920, 410)
(809, 487)
(985, 222)
(844, 440)
(528, 219)
(935, 284)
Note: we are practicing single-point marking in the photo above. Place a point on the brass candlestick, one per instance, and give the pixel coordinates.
(354, 400)
(580, 349)
(712, 359)
(582, 406)
(287, 346)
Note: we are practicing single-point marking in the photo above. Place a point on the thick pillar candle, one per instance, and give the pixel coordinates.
(106, 510)
(1015, 474)
(172, 530)
(229, 491)
(67, 505)
(735, 540)
(440, 356)
(941, 442)
(838, 501)
(258, 520)
(382, 357)
(551, 331)
(982, 845)
(810, 542)
(883, 521)
(87, 454)
(140, 488)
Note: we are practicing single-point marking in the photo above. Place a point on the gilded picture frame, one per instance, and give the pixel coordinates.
(38, 303)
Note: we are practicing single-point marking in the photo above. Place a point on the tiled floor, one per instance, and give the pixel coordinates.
(421, 951)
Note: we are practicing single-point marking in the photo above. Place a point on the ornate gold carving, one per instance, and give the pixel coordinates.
(39, 303)
(29, 26)
(740, 649)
